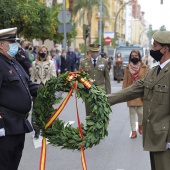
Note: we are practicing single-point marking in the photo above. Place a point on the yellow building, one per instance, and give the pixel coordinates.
(137, 28)
(108, 25)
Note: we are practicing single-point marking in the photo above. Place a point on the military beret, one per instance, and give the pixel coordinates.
(162, 37)
(8, 34)
(94, 47)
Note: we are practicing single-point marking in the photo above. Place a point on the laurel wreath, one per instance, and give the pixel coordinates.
(69, 137)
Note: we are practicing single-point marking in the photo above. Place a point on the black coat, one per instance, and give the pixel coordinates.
(73, 59)
(16, 90)
(65, 63)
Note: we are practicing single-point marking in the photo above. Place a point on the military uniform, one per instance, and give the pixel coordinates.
(15, 92)
(99, 74)
(155, 90)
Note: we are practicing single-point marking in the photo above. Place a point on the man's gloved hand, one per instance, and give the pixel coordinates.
(2, 132)
(168, 145)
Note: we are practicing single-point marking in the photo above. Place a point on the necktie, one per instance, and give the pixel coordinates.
(94, 62)
(159, 69)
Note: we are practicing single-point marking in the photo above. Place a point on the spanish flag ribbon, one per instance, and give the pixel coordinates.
(43, 155)
(49, 123)
(83, 158)
(59, 110)
(85, 82)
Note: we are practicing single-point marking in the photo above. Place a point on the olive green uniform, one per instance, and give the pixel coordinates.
(155, 90)
(99, 74)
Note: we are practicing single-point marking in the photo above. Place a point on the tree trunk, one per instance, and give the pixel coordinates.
(54, 2)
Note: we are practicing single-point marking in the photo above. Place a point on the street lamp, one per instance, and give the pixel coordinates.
(115, 24)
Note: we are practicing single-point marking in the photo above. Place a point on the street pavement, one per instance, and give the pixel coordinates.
(115, 152)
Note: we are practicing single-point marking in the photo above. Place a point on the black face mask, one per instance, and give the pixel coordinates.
(134, 60)
(42, 55)
(27, 47)
(157, 55)
(30, 48)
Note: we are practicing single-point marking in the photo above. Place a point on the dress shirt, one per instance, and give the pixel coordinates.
(92, 60)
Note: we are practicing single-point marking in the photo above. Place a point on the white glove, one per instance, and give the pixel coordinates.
(2, 132)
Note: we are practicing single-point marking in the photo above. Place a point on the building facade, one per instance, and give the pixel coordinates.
(130, 23)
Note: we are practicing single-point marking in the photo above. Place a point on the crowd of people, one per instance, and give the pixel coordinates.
(63, 60)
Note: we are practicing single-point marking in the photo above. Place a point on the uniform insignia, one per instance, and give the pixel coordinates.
(101, 66)
(95, 45)
(10, 71)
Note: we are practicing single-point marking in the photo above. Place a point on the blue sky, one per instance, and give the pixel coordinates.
(156, 13)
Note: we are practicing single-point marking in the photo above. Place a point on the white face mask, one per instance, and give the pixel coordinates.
(118, 55)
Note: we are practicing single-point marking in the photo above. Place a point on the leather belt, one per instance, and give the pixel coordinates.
(12, 113)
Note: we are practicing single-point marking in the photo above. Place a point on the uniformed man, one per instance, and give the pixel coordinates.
(15, 102)
(155, 90)
(98, 70)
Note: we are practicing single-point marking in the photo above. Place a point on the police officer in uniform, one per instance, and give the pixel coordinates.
(15, 102)
(98, 70)
(155, 90)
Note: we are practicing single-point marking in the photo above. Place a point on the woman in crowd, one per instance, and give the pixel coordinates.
(42, 70)
(134, 71)
(118, 69)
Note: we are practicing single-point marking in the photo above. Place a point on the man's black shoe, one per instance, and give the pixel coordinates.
(36, 136)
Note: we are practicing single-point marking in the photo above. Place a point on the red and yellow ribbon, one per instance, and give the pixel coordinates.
(83, 158)
(49, 123)
(55, 115)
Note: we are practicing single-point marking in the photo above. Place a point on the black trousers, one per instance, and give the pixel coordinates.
(72, 68)
(11, 148)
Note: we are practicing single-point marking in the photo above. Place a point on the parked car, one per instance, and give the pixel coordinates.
(125, 51)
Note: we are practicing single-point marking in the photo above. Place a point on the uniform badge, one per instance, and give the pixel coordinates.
(101, 66)
(10, 71)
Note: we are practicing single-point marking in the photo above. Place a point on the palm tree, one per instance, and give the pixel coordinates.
(87, 8)
(54, 2)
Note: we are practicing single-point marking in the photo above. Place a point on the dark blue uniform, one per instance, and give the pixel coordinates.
(16, 90)
(72, 56)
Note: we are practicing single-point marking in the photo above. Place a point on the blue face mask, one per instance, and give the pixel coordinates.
(13, 49)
